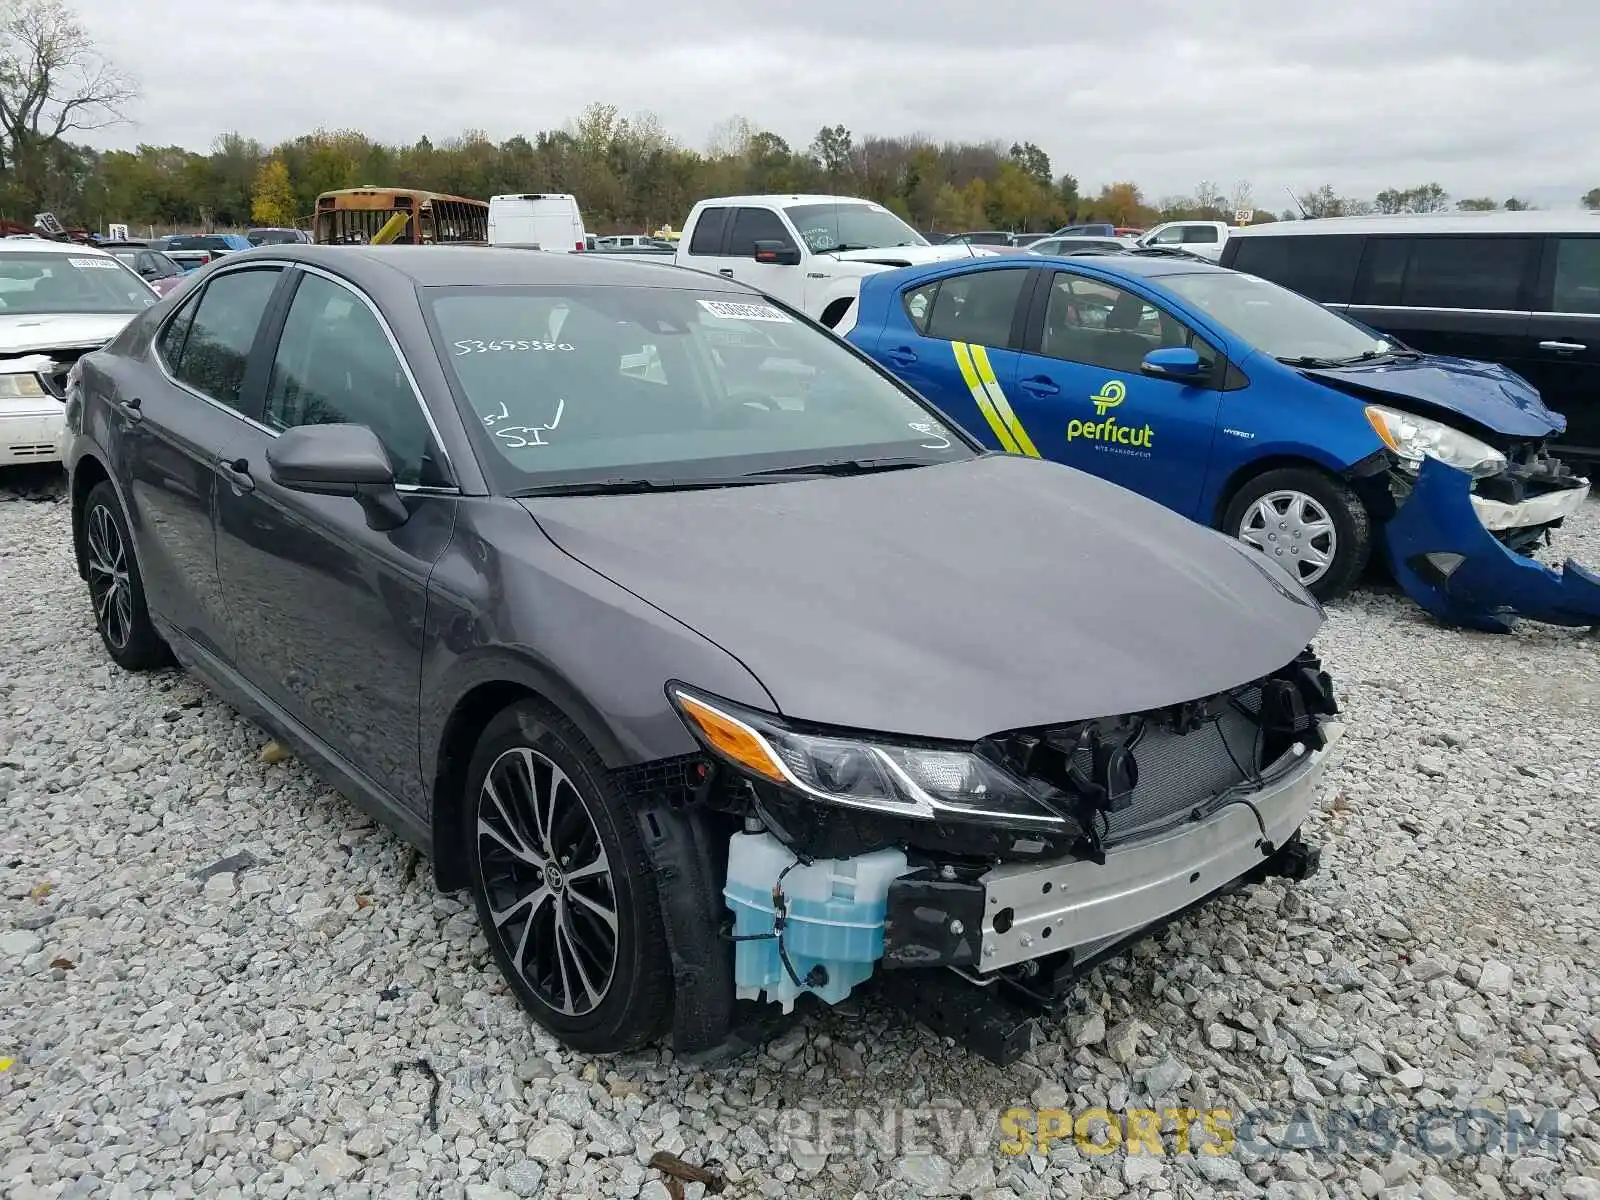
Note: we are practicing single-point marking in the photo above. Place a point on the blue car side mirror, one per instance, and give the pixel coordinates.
(1172, 362)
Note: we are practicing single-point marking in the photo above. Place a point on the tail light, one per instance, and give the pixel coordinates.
(578, 247)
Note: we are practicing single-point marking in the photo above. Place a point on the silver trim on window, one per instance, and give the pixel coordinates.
(452, 489)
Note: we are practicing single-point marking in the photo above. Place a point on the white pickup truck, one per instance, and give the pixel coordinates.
(808, 251)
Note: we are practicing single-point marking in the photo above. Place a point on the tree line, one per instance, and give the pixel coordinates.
(628, 172)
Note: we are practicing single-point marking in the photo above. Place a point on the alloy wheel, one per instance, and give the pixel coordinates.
(1295, 529)
(552, 900)
(109, 589)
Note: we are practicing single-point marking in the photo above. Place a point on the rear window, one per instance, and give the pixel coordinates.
(1323, 268)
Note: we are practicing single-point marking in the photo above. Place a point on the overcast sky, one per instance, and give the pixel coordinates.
(1484, 97)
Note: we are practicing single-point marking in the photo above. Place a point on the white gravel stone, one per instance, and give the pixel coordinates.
(257, 1034)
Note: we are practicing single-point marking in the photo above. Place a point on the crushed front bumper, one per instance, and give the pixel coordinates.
(1020, 912)
(1442, 548)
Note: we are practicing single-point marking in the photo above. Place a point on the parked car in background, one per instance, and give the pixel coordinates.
(1250, 408)
(1203, 238)
(982, 237)
(1024, 240)
(1093, 229)
(1521, 289)
(277, 236)
(456, 524)
(153, 266)
(628, 241)
(214, 244)
(808, 251)
(1073, 245)
(550, 220)
(58, 301)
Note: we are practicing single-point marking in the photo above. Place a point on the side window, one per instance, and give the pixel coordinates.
(918, 304)
(1383, 271)
(1467, 272)
(335, 365)
(1205, 234)
(752, 225)
(1318, 266)
(1099, 325)
(978, 307)
(1171, 236)
(217, 347)
(170, 343)
(708, 231)
(1577, 275)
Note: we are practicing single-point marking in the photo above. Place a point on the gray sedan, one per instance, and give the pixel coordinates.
(716, 663)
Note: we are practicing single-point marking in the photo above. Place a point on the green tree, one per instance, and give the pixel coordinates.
(1513, 204)
(1591, 198)
(272, 199)
(831, 148)
(1478, 204)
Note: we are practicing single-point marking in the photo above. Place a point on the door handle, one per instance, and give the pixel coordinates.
(237, 472)
(1040, 385)
(901, 356)
(1563, 347)
(728, 271)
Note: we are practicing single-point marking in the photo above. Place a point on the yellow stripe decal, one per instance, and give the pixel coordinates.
(981, 395)
(980, 358)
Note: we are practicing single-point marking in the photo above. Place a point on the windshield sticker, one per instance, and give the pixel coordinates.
(927, 430)
(102, 264)
(743, 312)
(474, 346)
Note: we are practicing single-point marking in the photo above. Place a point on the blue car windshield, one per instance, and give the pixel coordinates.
(1275, 320)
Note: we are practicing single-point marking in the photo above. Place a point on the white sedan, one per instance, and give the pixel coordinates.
(58, 301)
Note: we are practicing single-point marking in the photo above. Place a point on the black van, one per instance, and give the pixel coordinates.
(1519, 288)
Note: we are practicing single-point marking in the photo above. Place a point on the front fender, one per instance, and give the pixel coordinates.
(1450, 564)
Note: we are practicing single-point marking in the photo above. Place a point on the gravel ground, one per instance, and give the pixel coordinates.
(219, 979)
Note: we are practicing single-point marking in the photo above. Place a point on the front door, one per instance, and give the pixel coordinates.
(1080, 391)
(951, 340)
(328, 614)
(179, 410)
(752, 225)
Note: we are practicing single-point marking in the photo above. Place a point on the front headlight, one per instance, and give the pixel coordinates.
(22, 387)
(889, 777)
(1414, 438)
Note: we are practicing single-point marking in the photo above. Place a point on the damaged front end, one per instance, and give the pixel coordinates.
(1015, 864)
(1460, 548)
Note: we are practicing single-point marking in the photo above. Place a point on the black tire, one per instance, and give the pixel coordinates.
(116, 589)
(1302, 491)
(558, 973)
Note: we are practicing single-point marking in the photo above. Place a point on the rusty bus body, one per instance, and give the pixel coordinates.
(352, 216)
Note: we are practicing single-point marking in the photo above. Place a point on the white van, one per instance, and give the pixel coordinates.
(550, 221)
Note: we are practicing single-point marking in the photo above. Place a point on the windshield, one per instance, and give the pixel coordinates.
(606, 383)
(1275, 320)
(70, 283)
(828, 227)
(272, 237)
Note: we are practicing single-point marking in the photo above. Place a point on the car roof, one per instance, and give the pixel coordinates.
(1569, 221)
(446, 266)
(46, 246)
(778, 198)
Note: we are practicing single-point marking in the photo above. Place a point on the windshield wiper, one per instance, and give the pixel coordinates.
(844, 466)
(1365, 356)
(627, 487)
(848, 246)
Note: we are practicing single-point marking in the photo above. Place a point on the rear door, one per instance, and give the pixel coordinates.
(1079, 388)
(708, 241)
(953, 339)
(1466, 295)
(180, 413)
(1561, 356)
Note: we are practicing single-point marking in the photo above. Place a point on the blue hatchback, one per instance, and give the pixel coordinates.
(1250, 408)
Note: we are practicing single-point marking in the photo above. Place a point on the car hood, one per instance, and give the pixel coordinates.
(952, 601)
(1485, 393)
(908, 256)
(25, 333)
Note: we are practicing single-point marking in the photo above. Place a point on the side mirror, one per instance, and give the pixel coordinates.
(1172, 362)
(777, 254)
(339, 460)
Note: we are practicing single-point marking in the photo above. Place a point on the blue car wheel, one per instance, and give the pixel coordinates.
(1313, 525)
